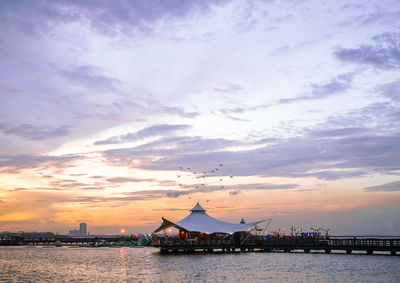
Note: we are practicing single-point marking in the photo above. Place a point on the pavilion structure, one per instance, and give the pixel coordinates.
(198, 225)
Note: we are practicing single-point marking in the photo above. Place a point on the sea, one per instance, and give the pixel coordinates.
(146, 264)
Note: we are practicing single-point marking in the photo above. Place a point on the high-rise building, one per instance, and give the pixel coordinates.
(83, 229)
(82, 232)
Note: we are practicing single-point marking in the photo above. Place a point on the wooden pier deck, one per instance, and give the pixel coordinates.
(368, 245)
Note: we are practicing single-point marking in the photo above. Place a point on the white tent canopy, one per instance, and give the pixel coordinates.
(199, 221)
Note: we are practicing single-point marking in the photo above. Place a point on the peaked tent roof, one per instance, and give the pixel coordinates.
(199, 221)
(198, 208)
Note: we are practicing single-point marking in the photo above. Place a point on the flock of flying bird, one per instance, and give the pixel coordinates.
(189, 173)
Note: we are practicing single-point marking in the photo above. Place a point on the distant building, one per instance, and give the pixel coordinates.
(83, 229)
(82, 232)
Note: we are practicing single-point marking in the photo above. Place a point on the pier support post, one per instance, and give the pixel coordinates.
(327, 251)
(306, 251)
(370, 252)
(392, 252)
(348, 251)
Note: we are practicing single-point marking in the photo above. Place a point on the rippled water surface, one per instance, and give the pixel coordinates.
(68, 264)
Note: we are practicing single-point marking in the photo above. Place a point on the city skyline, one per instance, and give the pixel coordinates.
(109, 113)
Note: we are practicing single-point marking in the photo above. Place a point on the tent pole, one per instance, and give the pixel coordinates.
(230, 239)
(269, 221)
(246, 238)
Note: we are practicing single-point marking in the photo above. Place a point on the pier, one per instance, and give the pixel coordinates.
(288, 244)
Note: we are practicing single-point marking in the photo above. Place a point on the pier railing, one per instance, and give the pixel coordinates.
(286, 244)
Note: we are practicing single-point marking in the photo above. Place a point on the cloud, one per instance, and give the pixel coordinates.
(179, 111)
(120, 18)
(390, 90)
(388, 187)
(354, 144)
(90, 76)
(242, 110)
(379, 17)
(31, 132)
(235, 192)
(73, 184)
(167, 148)
(37, 189)
(338, 85)
(153, 131)
(34, 161)
(385, 54)
(170, 209)
(330, 175)
(129, 180)
(142, 195)
(340, 132)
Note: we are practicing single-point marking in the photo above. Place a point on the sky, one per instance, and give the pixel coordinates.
(119, 113)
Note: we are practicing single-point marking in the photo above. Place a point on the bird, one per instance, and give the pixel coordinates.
(222, 187)
(189, 197)
(178, 176)
(221, 164)
(207, 200)
(231, 176)
(220, 179)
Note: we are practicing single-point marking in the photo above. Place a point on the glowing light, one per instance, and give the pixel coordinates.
(123, 231)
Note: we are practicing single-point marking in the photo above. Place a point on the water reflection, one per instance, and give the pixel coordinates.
(147, 265)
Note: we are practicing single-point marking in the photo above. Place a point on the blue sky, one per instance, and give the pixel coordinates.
(101, 104)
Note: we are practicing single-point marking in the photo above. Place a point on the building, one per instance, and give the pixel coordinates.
(82, 232)
(83, 229)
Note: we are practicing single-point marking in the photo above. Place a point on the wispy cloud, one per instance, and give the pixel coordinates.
(31, 132)
(90, 77)
(34, 161)
(383, 55)
(326, 152)
(152, 131)
(388, 187)
(390, 90)
(338, 85)
(129, 180)
(103, 18)
(179, 111)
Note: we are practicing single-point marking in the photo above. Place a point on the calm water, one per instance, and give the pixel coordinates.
(67, 264)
